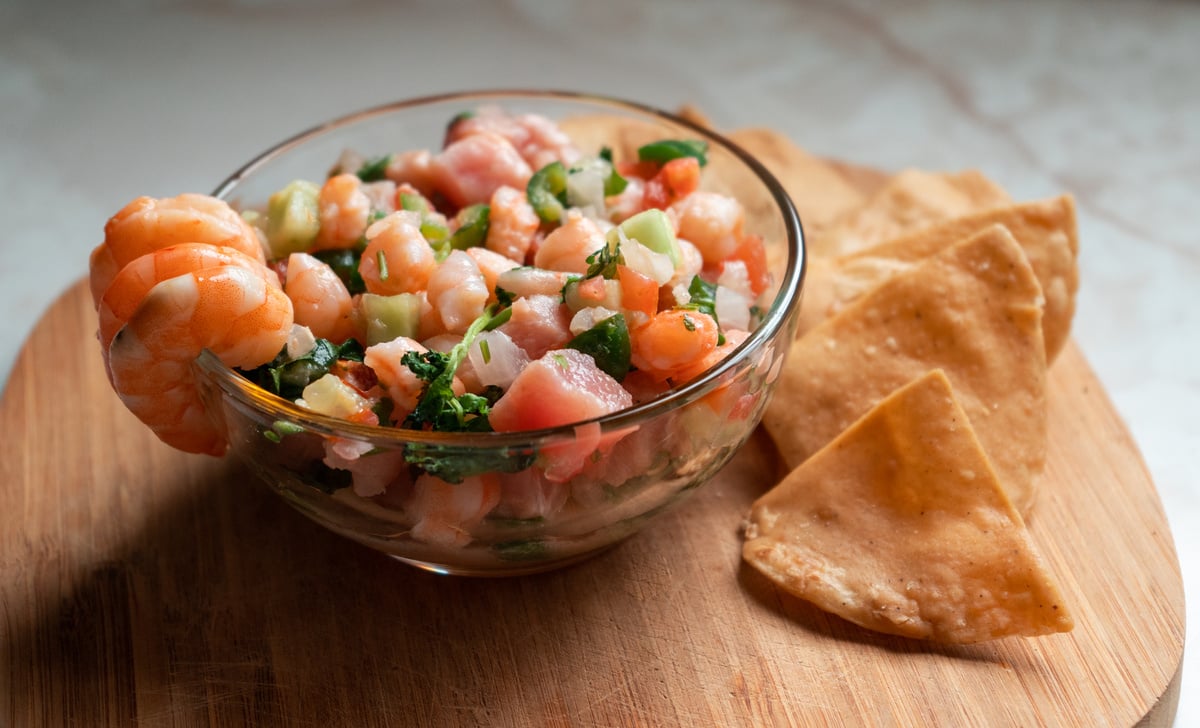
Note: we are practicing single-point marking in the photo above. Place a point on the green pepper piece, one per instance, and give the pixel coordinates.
(547, 192)
(668, 149)
(473, 227)
(608, 344)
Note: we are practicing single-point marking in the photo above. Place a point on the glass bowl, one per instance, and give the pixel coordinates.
(564, 493)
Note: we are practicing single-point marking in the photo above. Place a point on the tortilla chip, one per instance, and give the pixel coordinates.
(975, 310)
(819, 191)
(908, 201)
(1045, 229)
(900, 525)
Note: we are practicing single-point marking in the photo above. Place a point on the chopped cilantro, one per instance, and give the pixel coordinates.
(703, 298)
(604, 261)
(439, 408)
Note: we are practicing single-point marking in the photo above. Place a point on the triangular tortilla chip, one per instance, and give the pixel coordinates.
(910, 200)
(975, 310)
(1045, 229)
(900, 525)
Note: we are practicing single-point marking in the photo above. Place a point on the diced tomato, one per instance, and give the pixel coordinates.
(639, 292)
(682, 176)
(753, 253)
(356, 374)
(676, 179)
(592, 290)
(641, 170)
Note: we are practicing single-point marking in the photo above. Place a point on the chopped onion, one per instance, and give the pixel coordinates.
(496, 359)
(733, 308)
(587, 318)
(585, 187)
(650, 263)
(735, 276)
(300, 341)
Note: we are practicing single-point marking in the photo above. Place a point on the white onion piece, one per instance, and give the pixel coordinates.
(585, 188)
(588, 317)
(502, 363)
(650, 263)
(300, 341)
(735, 277)
(733, 308)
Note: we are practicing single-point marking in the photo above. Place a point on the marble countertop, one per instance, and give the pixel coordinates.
(102, 102)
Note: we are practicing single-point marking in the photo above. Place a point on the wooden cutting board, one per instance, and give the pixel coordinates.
(142, 585)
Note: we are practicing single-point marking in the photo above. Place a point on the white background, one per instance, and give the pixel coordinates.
(101, 102)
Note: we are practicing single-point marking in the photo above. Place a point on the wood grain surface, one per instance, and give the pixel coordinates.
(140, 585)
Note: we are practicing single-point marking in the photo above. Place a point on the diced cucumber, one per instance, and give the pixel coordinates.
(388, 317)
(293, 218)
(653, 229)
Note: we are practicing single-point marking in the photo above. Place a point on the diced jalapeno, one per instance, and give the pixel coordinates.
(547, 192)
(608, 344)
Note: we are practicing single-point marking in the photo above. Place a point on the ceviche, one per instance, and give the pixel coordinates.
(506, 280)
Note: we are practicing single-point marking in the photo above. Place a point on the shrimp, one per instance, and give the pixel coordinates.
(319, 298)
(471, 169)
(672, 341)
(148, 224)
(512, 223)
(538, 139)
(135, 280)
(398, 258)
(344, 209)
(524, 281)
(492, 265)
(569, 245)
(445, 512)
(710, 221)
(231, 311)
(458, 292)
(415, 168)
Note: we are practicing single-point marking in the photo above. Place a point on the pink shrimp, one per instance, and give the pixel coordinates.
(135, 280)
(446, 512)
(415, 168)
(492, 265)
(398, 258)
(671, 342)
(471, 169)
(344, 209)
(538, 139)
(710, 221)
(319, 297)
(147, 224)
(458, 291)
(569, 245)
(401, 383)
(231, 311)
(512, 223)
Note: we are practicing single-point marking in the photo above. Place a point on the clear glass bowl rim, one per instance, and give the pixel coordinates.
(786, 300)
